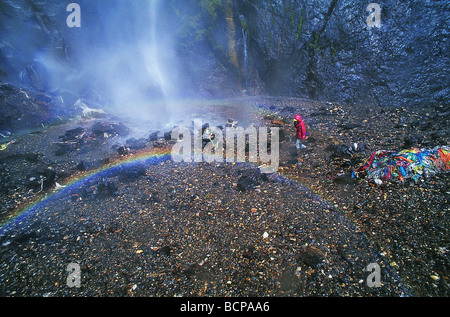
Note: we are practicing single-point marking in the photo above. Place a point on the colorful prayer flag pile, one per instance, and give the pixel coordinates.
(407, 164)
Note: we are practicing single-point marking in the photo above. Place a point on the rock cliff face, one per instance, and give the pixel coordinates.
(322, 49)
(326, 50)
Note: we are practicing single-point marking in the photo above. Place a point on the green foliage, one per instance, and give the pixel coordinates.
(195, 20)
(244, 24)
(333, 53)
(314, 45)
(211, 7)
(300, 23)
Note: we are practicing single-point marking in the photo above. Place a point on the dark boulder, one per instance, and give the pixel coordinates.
(249, 179)
(136, 144)
(20, 111)
(72, 134)
(41, 179)
(98, 188)
(310, 256)
(131, 173)
(100, 128)
(153, 136)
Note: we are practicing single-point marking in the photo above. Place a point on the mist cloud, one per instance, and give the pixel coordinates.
(122, 52)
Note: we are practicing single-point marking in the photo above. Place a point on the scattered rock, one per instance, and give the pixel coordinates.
(165, 250)
(349, 126)
(411, 141)
(106, 188)
(89, 113)
(310, 256)
(122, 150)
(270, 177)
(249, 179)
(29, 157)
(73, 134)
(19, 110)
(345, 151)
(102, 188)
(40, 180)
(100, 128)
(82, 166)
(134, 144)
(231, 124)
(131, 173)
(168, 136)
(153, 136)
(218, 234)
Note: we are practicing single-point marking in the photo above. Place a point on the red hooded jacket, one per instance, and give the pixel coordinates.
(300, 126)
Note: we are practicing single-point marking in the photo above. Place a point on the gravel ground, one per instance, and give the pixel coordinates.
(189, 229)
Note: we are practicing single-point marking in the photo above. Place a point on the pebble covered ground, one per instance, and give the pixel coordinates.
(161, 228)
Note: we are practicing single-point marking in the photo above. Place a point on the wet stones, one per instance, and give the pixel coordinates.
(104, 127)
(71, 140)
(192, 226)
(270, 177)
(310, 256)
(349, 126)
(29, 157)
(132, 173)
(231, 123)
(108, 185)
(122, 150)
(345, 151)
(84, 139)
(62, 149)
(136, 144)
(82, 166)
(168, 136)
(249, 252)
(19, 110)
(282, 135)
(40, 180)
(153, 136)
(33, 77)
(249, 179)
(411, 140)
(345, 180)
(165, 250)
(26, 237)
(99, 189)
(106, 188)
(73, 134)
(87, 112)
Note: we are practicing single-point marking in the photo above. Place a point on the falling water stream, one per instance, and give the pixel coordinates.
(244, 38)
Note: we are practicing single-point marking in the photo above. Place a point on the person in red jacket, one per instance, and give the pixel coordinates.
(301, 132)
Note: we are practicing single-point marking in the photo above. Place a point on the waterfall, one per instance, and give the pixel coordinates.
(136, 66)
(244, 26)
(128, 51)
(123, 54)
(246, 70)
(152, 53)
